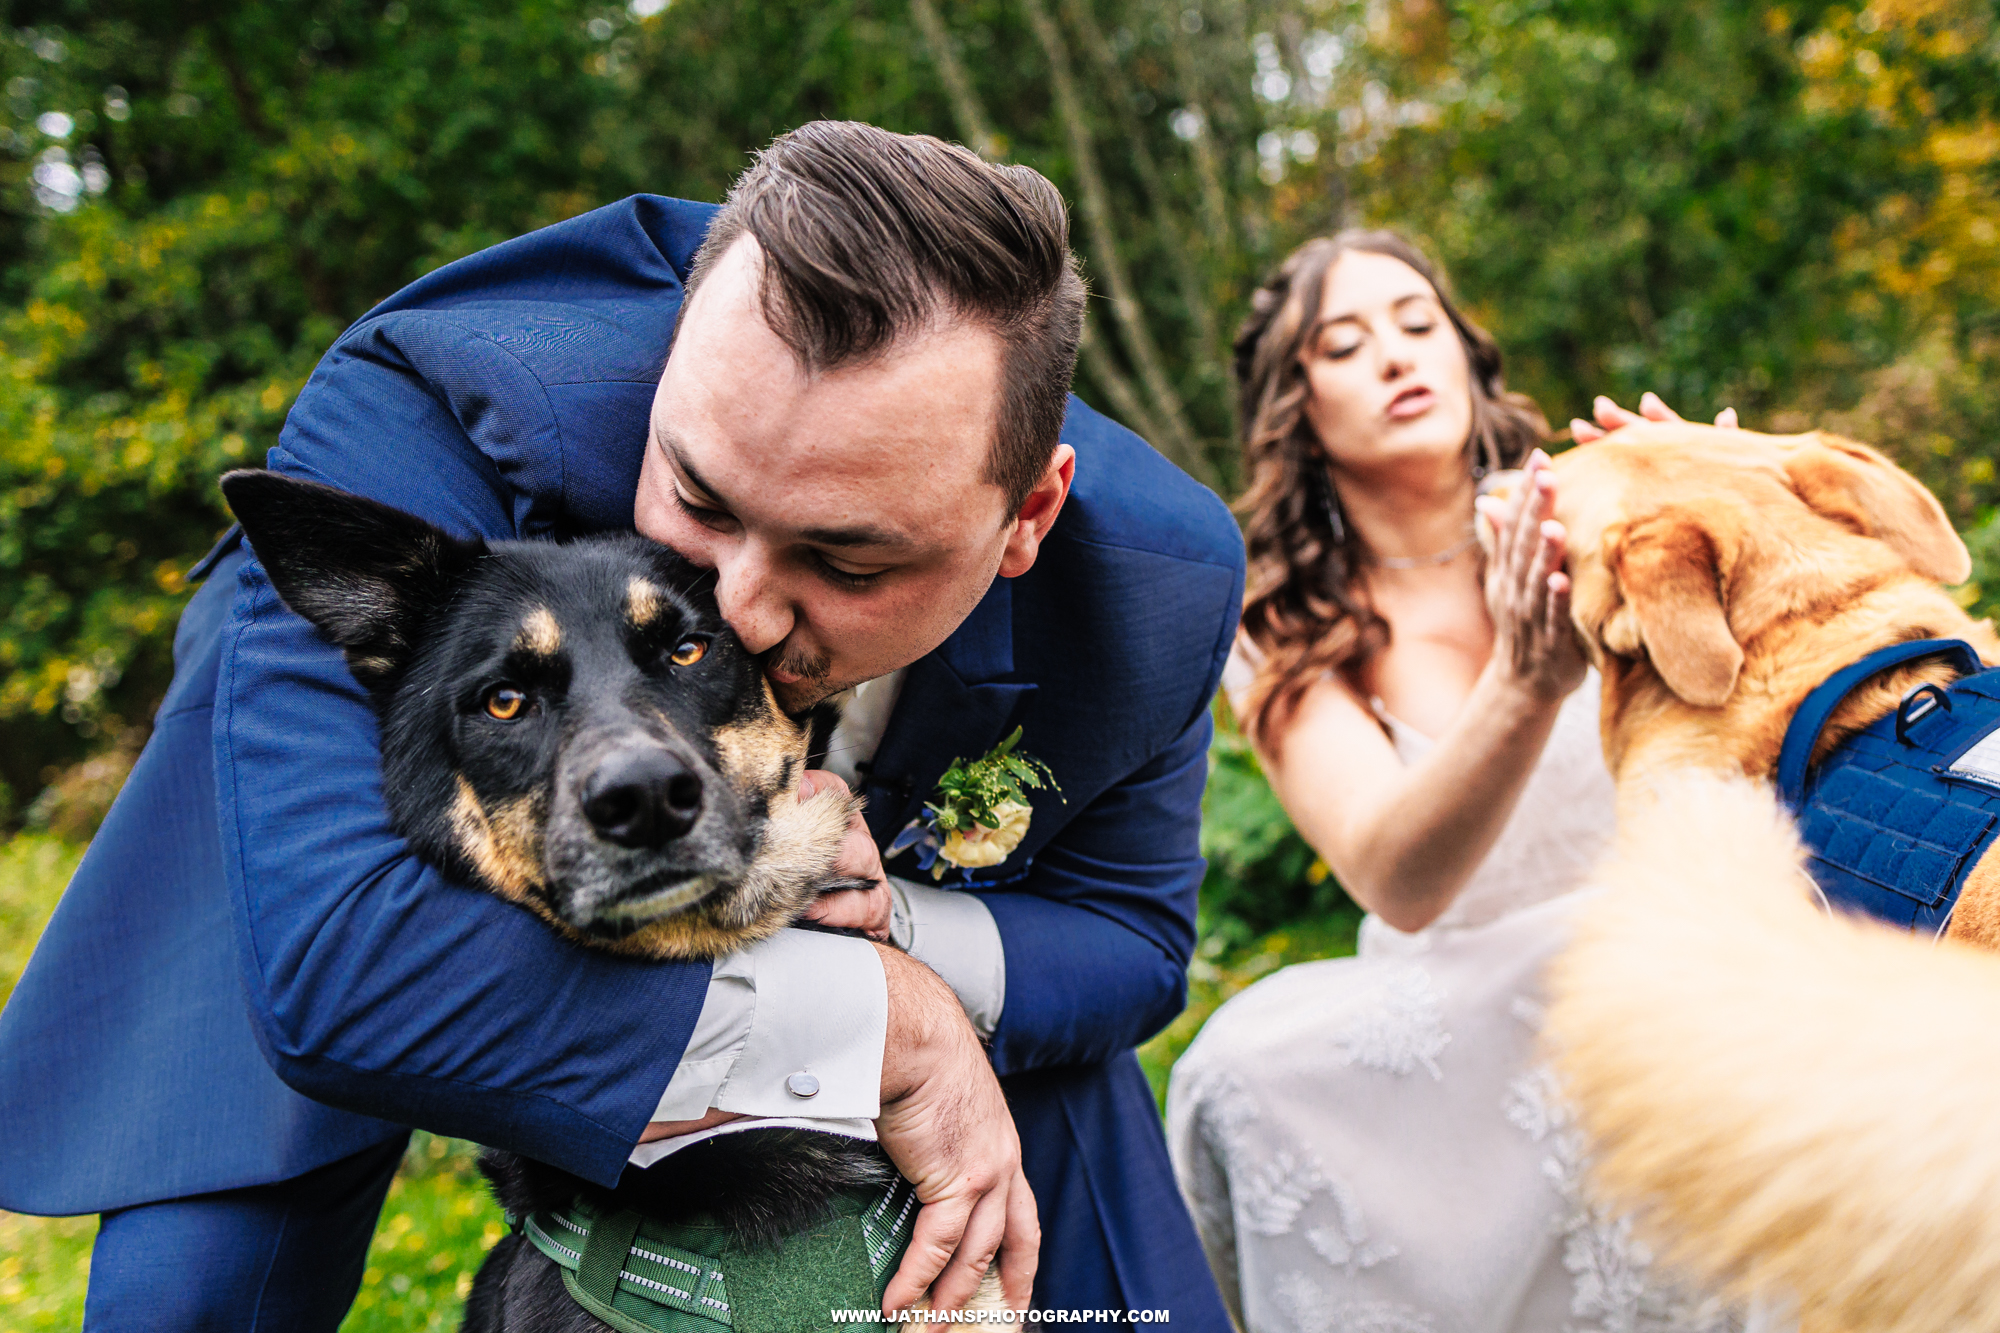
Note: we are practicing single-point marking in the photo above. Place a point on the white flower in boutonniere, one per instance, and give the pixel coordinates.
(979, 812)
(981, 846)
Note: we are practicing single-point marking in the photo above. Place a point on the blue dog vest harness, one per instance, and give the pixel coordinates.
(1897, 816)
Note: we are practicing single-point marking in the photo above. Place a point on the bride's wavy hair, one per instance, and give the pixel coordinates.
(1302, 610)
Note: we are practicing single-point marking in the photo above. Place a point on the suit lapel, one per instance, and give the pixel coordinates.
(951, 707)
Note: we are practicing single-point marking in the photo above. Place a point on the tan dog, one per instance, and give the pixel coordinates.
(1800, 1104)
(1721, 574)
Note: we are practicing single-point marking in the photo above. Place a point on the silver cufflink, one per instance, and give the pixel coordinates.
(803, 1084)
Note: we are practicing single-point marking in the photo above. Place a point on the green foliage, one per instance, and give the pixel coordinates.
(44, 1265)
(1222, 967)
(1788, 209)
(1642, 197)
(971, 791)
(1261, 874)
(1981, 593)
(33, 870)
(191, 207)
(437, 1225)
(1791, 209)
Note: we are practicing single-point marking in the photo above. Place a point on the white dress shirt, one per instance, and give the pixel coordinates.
(793, 1027)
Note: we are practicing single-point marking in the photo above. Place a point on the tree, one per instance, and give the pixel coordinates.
(189, 213)
(1777, 207)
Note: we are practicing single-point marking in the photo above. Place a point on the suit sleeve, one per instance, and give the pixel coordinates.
(376, 984)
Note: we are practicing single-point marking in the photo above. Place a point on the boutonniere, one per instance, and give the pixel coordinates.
(979, 812)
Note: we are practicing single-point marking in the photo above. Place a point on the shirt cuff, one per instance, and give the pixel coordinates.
(792, 1026)
(953, 933)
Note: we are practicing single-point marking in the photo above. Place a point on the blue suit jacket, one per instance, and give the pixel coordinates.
(232, 1001)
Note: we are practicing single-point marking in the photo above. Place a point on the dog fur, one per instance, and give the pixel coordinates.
(427, 622)
(1720, 575)
(1795, 1103)
(574, 727)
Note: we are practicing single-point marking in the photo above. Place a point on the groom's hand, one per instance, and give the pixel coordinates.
(855, 909)
(946, 1126)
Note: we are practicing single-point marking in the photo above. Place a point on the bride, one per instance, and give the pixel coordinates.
(1369, 1144)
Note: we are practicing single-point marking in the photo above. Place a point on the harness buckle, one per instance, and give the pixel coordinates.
(1918, 704)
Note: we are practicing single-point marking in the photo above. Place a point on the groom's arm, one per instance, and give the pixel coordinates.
(377, 984)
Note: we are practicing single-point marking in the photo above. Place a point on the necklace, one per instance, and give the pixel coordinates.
(1444, 557)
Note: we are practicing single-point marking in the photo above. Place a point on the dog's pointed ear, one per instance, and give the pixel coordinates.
(361, 572)
(1669, 570)
(1860, 489)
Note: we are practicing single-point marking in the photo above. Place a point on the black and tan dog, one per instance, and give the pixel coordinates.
(574, 727)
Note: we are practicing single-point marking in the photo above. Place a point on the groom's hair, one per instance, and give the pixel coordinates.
(871, 237)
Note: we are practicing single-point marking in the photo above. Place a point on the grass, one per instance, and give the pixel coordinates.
(437, 1225)
(42, 1274)
(33, 869)
(439, 1221)
(44, 1262)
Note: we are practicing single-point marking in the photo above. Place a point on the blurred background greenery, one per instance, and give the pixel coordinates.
(1788, 208)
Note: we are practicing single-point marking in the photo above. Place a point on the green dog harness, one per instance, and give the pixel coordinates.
(641, 1275)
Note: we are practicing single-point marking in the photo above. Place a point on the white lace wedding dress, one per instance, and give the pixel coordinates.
(1369, 1144)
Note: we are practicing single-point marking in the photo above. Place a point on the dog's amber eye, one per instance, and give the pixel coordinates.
(505, 703)
(688, 652)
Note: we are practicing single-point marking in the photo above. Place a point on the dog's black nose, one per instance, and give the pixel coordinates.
(642, 797)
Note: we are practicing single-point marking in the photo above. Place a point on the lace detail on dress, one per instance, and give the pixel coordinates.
(1396, 1025)
(1268, 1194)
(1348, 1247)
(1274, 1191)
(1311, 1310)
(1265, 1193)
(1615, 1287)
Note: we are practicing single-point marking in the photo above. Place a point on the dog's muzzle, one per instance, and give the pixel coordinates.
(640, 829)
(641, 796)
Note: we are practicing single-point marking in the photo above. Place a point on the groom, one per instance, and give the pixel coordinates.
(862, 429)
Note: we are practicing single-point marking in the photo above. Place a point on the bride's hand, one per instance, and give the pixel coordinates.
(1610, 417)
(1534, 645)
